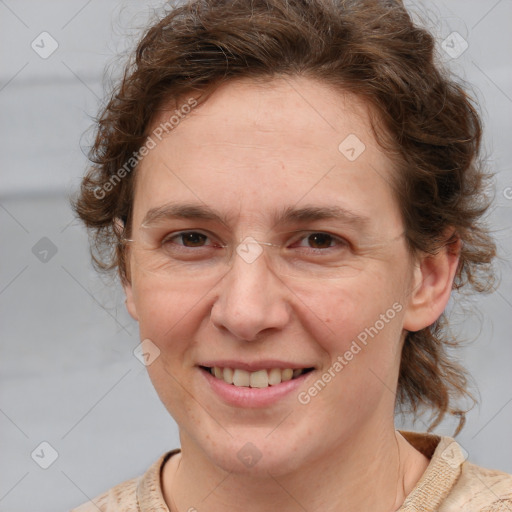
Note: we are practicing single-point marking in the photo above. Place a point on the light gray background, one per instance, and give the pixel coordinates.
(69, 376)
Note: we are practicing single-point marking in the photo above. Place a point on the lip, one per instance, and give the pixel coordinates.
(255, 366)
(245, 397)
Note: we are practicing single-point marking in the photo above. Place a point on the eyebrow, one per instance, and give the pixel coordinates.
(181, 211)
(288, 215)
(314, 213)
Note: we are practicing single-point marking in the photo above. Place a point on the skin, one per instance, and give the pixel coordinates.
(249, 151)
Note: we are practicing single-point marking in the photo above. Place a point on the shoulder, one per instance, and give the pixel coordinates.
(480, 489)
(136, 495)
(453, 484)
(121, 497)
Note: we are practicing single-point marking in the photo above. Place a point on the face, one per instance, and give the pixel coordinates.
(268, 245)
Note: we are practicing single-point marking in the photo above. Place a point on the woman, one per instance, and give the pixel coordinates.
(291, 191)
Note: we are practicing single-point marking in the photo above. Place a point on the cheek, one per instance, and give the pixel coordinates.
(341, 312)
(169, 317)
(167, 314)
(359, 330)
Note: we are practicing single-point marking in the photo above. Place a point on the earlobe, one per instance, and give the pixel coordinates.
(431, 286)
(130, 303)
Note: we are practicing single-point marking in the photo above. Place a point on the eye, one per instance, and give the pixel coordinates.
(320, 240)
(189, 239)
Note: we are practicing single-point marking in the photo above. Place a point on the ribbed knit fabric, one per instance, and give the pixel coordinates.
(449, 484)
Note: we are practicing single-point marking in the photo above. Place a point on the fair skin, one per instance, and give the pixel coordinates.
(249, 153)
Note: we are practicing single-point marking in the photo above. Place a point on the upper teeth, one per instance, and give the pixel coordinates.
(258, 379)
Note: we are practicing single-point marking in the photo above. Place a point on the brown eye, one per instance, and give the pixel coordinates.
(320, 240)
(188, 239)
(193, 239)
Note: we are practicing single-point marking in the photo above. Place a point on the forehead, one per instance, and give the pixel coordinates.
(305, 112)
(268, 145)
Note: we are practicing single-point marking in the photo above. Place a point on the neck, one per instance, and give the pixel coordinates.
(374, 471)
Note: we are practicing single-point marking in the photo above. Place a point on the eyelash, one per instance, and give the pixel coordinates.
(334, 239)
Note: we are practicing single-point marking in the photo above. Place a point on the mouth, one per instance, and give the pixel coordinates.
(262, 378)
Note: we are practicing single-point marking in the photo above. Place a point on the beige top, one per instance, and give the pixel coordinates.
(449, 484)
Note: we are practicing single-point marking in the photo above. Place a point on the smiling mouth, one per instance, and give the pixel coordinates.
(258, 379)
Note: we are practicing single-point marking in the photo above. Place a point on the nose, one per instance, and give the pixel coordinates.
(251, 300)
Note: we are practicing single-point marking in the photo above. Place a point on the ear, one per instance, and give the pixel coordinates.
(130, 303)
(126, 279)
(431, 286)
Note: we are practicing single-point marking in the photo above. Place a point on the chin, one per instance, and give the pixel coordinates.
(248, 459)
(253, 452)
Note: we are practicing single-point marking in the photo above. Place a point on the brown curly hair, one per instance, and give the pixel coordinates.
(371, 48)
